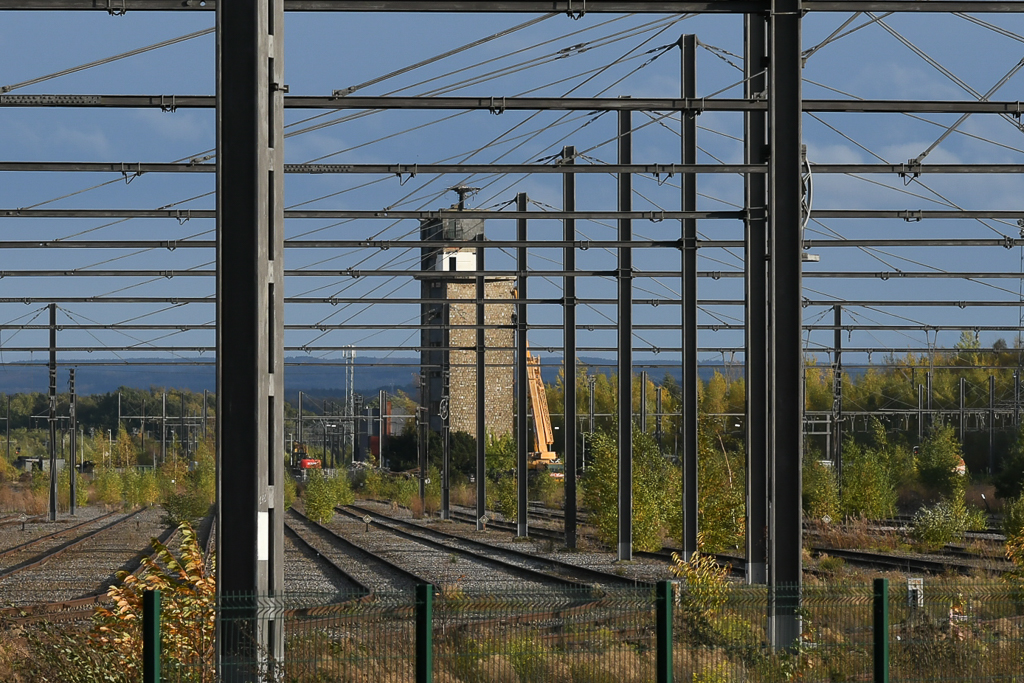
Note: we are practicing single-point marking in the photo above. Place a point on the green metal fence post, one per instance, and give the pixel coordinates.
(424, 633)
(881, 630)
(663, 615)
(151, 636)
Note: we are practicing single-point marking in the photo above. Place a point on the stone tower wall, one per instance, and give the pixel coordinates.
(499, 375)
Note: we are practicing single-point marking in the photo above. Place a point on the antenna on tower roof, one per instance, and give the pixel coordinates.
(464, 191)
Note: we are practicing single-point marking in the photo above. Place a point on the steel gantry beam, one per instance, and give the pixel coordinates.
(499, 104)
(250, 337)
(572, 8)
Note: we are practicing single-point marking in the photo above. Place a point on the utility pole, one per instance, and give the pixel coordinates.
(142, 431)
(991, 425)
(73, 410)
(163, 429)
(117, 427)
(591, 380)
(300, 418)
(204, 415)
(643, 401)
(182, 429)
(837, 397)
(658, 433)
(8, 427)
(53, 412)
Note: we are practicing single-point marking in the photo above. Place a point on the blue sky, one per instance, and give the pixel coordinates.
(325, 52)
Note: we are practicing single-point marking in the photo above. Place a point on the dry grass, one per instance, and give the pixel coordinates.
(857, 534)
(18, 498)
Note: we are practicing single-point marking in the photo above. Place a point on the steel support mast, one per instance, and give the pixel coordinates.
(688, 43)
(785, 440)
(250, 335)
(756, 294)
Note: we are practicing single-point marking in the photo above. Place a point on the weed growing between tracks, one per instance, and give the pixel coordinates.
(111, 650)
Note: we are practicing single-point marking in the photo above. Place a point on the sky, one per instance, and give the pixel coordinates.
(943, 57)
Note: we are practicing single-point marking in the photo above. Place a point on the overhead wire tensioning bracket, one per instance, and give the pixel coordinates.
(575, 15)
(910, 170)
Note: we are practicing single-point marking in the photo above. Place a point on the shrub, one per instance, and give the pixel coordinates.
(867, 489)
(506, 499)
(702, 596)
(820, 491)
(1013, 517)
(108, 487)
(112, 651)
(320, 497)
(290, 490)
(1010, 479)
(937, 460)
(939, 524)
(650, 490)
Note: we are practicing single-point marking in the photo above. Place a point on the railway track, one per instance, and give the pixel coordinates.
(907, 563)
(541, 567)
(34, 553)
(77, 609)
(366, 572)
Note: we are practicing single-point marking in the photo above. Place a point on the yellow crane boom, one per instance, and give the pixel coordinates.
(544, 436)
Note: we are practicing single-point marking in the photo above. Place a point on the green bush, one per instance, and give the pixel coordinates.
(821, 490)
(867, 488)
(1010, 479)
(650, 490)
(342, 489)
(937, 460)
(108, 486)
(939, 524)
(1013, 517)
(290, 490)
(320, 497)
(506, 500)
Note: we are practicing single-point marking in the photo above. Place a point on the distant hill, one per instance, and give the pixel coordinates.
(316, 377)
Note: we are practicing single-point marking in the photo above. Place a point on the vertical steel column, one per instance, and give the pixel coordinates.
(643, 401)
(920, 413)
(837, 396)
(522, 390)
(756, 293)
(991, 425)
(658, 433)
(481, 388)
(250, 331)
(963, 415)
(52, 419)
(1016, 398)
(182, 428)
(786, 385)
(931, 415)
(423, 419)
(142, 430)
(73, 411)
(299, 419)
(163, 428)
(688, 289)
(204, 414)
(591, 381)
(625, 344)
(569, 338)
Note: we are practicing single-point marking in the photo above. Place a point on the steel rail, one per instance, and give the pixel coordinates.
(46, 557)
(579, 573)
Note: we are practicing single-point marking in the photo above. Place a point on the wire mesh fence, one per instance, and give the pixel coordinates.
(964, 631)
